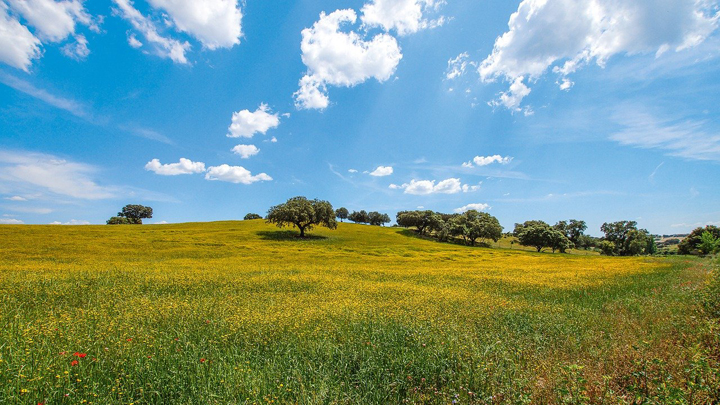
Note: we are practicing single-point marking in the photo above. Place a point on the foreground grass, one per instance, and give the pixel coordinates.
(240, 312)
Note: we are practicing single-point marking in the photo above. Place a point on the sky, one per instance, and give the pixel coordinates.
(597, 110)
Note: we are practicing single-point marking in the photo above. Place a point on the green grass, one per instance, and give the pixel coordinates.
(242, 312)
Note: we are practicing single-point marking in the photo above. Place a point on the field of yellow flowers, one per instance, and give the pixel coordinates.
(242, 312)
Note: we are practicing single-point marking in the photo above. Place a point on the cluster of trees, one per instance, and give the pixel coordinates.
(251, 216)
(702, 241)
(623, 238)
(131, 214)
(469, 226)
(372, 218)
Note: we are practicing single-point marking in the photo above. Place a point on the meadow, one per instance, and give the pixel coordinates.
(241, 312)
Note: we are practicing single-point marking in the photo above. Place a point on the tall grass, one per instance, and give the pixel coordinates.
(239, 312)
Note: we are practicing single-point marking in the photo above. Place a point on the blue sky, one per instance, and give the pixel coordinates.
(589, 109)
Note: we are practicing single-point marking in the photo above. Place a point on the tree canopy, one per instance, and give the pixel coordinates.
(691, 244)
(359, 217)
(341, 213)
(423, 221)
(540, 235)
(251, 216)
(131, 214)
(625, 239)
(376, 218)
(472, 225)
(303, 214)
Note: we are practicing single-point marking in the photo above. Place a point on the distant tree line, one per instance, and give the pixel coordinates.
(622, 238)
(362, 217)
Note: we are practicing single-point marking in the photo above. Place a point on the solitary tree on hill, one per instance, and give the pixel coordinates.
(341, 213)
(303, 214)
(251, 216)
(131, 214)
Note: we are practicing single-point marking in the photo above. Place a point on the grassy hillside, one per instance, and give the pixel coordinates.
(241, 312)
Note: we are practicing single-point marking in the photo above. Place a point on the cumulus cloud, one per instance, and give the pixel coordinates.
(10, 221)
(184, 166)
(15, 198)
(234, 174)
(18, 46)
(566, 35)
(352, 170)
(245, 151)
(403, 16)
(476, 207)
(338, 58)
(425, 187)
(53, 20)
(246, 124)
(488, 160)
(24, 172)
(164, 46)
(215, 23)
(382, 171)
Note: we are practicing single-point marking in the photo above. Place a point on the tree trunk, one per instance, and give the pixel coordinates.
(302, 230)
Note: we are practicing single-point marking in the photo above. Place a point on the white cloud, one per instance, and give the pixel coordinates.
(184, 166)
(466, 188)
(488, 160)
(18, 46)
(457, 66)
(273, 140)
(476, 207)
(403, 16)
(134, 42)
(512, 98)
(234, 174)
(352, 170)
(684, 138)
(245, 151)
(246, 124)
(15, 198)
(71, 222)
(338, 58)
(53, 20)
(215, 23)
(382, 171)
(10, 221)
(565, 35)
(69, 105)
(165, 47)
(77, 50)
(25, 171)
(425, 187)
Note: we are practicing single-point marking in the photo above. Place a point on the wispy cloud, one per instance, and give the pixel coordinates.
(685, 138)
(73, 107)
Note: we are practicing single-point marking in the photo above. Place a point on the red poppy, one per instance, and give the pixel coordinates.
(81, 355)
(202, 360)
(129, 340)
(74, 363)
